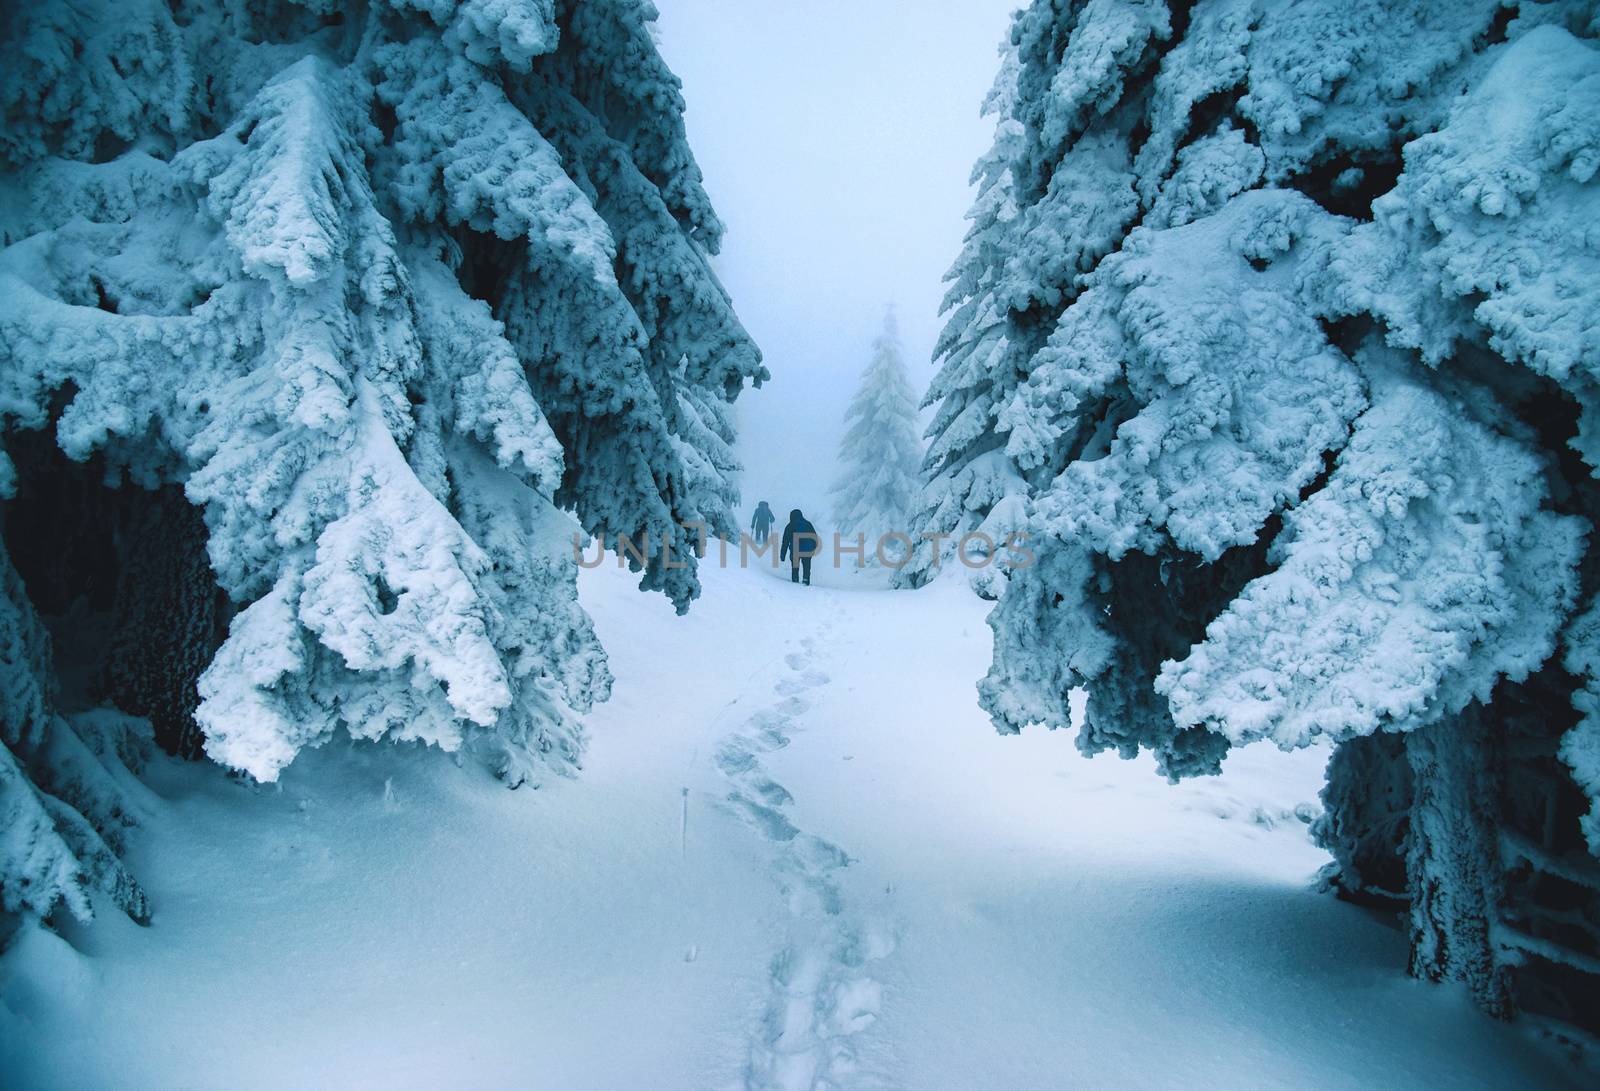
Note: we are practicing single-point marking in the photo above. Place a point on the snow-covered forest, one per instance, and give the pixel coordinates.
(390, 697)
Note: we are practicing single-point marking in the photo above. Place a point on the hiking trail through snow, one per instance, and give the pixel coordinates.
(798, 858)
(822, 992)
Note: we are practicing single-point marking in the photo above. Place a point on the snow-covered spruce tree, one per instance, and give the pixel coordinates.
(879, 454)
(65, 792)
(1305, 303)
(315, 322)
(968, 482)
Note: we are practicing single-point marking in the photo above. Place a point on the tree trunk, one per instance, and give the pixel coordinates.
(1366, 815)
(1453, 861)
(166, 620)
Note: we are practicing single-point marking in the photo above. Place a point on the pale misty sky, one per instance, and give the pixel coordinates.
(836, 139)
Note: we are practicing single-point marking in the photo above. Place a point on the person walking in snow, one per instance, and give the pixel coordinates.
(761, 525)
(800, 544)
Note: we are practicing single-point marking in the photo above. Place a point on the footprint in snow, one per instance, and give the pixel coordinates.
(855, 1005)
(771, 738)
(769, 719)
(771, 792)
(769, 731)
(817, 856)
(734, 757)
(792, 706)
(807, 895)
(808, 680)
(869, 944)
(771, 824)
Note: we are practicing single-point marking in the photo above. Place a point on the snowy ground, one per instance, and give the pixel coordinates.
(872, 890)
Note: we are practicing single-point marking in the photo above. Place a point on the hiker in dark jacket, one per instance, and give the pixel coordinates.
(761, 525)
(800, 544)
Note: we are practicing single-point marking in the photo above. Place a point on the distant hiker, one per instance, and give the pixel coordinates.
(761, 525)
(800, 544)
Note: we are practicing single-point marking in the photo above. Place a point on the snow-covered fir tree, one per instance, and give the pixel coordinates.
(1296, 345)
(879, 454)
(318, 326)
(968, 482)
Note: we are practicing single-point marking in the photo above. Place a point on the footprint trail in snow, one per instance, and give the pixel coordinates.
(822, 992)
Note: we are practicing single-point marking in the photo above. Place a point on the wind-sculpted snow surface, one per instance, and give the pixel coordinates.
(1289, 340)
(388, 292)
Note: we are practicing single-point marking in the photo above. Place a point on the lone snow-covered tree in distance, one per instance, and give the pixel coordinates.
(880, 453)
